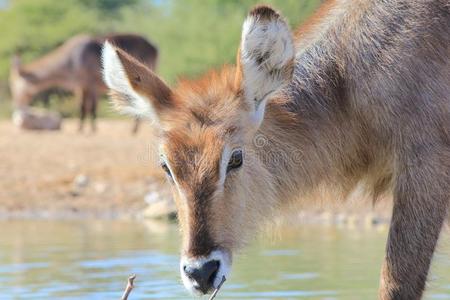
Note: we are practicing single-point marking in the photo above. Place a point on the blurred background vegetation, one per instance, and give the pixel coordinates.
(192, 35)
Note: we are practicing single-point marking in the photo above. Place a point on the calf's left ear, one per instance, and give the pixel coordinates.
(265, 58)
(134, 88)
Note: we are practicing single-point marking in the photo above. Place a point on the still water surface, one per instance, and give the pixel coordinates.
(91, 260)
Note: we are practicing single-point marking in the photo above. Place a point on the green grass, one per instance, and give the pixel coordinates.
(5, 109)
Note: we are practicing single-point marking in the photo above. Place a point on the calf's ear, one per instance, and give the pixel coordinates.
(134, 88)
(265, 58)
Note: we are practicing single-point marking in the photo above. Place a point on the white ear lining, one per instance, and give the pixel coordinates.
(117, 80)
(113, 72)
(267, 50)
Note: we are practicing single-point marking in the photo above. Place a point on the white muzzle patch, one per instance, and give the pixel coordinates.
(188, 264)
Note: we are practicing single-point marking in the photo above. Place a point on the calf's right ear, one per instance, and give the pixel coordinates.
(134, 88)
(265, 58)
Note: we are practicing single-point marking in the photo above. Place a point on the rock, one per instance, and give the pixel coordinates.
(370, 220)
(353, 221)
(100, 187)
(164, 209)
(74, 193)
(160, 202)
(341, 219)
(79, 184)
(35, 119)
(81, 181)
(327, 217)
(152, 197)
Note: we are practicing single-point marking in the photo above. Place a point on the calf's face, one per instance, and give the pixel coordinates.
(204, 168)
(206, 129)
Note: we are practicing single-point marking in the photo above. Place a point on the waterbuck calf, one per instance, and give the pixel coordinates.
(75, 66)
(360, 95)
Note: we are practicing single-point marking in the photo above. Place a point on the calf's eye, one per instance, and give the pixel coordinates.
(166, 169)
(235, 161)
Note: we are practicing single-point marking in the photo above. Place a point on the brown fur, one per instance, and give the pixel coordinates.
(368, 102)
(314, 21)
(144, 81)
(75, 66)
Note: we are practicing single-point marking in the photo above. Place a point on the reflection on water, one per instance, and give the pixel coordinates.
(92, 260)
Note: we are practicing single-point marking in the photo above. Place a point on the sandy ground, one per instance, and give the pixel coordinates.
(65, 173)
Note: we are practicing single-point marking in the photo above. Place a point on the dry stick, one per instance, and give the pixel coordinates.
(129, 287)
(217, 289)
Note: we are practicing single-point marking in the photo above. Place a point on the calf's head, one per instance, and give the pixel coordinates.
(206, 128)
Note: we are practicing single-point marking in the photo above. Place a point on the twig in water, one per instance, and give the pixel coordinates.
(129, 287)
(217, 289)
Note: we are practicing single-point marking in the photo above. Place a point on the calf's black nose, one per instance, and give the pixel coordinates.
(204, 275)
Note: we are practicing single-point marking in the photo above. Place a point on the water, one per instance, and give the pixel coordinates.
(92, 260)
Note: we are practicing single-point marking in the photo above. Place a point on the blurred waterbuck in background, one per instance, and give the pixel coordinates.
(75, 66)
(360, 95)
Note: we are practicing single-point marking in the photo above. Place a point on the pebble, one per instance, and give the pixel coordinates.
(81, 181)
